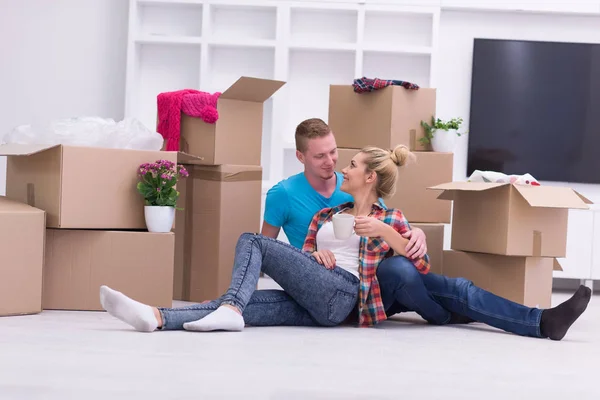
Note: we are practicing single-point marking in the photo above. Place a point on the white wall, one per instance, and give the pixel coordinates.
(60, 59)
(457, 32)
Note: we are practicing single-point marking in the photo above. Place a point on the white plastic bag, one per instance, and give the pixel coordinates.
(89, 132)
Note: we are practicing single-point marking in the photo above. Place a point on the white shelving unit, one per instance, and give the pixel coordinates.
(207, 45)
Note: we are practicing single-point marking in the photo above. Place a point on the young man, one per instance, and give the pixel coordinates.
(292, 203)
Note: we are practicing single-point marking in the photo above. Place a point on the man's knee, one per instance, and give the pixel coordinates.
(399, 269)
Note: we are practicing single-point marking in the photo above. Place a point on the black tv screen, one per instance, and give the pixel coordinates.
(535, 108)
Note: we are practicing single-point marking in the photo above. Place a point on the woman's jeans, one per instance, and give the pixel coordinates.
(434, 297)
(314, 295)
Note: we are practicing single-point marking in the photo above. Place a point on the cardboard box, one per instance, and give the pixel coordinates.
(219, 204)
(507, 219)
(383, 118)
(412, 197)
(435, 245)
(78, 262)
(22, 247)
(80, 187)
(524, 280)
(236, 137)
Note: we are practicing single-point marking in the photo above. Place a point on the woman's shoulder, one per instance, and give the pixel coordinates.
(333, 210)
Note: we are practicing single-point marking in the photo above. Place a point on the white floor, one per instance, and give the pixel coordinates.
(90, 355)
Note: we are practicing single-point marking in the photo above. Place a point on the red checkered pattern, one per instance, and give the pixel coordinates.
(372, 251)
(365, 84)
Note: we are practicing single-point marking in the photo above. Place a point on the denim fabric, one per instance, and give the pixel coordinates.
(434, 296)
(313, 294)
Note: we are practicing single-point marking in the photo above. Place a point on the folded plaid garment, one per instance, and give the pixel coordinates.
(365, 84)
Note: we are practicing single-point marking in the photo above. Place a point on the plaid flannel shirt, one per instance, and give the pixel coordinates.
(372, 251)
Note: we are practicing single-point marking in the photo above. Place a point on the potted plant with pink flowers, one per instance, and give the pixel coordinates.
(157, 185)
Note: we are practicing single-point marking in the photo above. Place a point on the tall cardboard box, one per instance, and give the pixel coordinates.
(22, 247)
(435, 245)
(412, 197)
(220, 203)
(80, 187)
(524, 280)
(508, 219)
(383, 118)
(78, 262)
(236, 136)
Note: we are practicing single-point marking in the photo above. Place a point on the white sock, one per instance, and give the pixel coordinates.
(134, 313)
(222, 319)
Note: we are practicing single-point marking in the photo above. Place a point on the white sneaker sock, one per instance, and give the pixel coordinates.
(222, 319)
(134, 313)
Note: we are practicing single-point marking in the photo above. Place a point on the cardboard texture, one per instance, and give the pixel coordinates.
(508, 219)
(236, 137)
(219, 204)
(435, 245)
(80, 187)
(412, 197)
(22, 247)
(524, 280)
(383, 118)
(78, 262)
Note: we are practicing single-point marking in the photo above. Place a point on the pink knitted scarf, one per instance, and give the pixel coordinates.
(193, 103)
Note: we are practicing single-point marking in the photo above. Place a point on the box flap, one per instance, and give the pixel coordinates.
(551, 197)
(452, 187)
(13, 149)
(185, 158)
(582, 197)
(557, 266)
(11, 206)
(252, 89)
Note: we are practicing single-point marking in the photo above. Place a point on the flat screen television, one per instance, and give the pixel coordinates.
(535, 108)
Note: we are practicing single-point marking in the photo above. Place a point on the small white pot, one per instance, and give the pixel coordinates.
(444, 141)
(159, 218)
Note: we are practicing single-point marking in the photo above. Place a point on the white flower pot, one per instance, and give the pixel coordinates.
(159, 218)
(444, 141)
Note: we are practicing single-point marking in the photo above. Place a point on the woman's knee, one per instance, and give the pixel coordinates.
(399, 269)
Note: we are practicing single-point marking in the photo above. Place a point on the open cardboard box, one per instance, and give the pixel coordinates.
(508, 219)
(79, 187)
(236, 137)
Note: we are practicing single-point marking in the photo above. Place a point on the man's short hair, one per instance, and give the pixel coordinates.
(310, 129)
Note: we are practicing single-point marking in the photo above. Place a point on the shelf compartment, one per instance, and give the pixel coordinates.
(150, 39)
(398, 28)
(310, 25)
(163, 68)
(227, 64)
(243, 22)
(310, 74)
(414, 68)
(157, 19)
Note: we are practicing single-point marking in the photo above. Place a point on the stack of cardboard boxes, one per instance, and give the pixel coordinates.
(506, 237)
(385, 118)
(72, 220)
(221, 199)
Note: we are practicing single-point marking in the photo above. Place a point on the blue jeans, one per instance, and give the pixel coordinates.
(312, 295)
(434, 297)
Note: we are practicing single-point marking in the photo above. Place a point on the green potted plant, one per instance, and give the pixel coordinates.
(441, 134)
(157, 185)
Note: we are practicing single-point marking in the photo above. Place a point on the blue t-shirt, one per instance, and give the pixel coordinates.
(292, 203)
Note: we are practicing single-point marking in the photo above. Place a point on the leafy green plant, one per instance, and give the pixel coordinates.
(157, 181)
(438, 124)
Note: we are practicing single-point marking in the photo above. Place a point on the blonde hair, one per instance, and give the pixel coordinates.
(385, 164)
(310, 129)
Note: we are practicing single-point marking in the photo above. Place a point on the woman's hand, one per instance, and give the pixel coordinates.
(325, 257)
(369, 227)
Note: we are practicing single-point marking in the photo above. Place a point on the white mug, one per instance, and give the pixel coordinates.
(343, 226)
